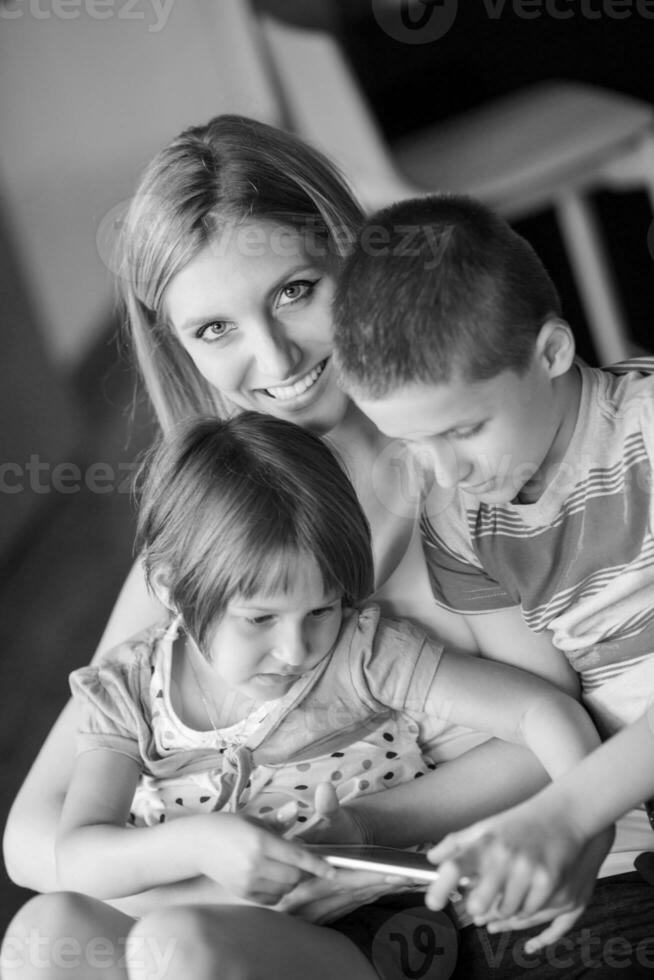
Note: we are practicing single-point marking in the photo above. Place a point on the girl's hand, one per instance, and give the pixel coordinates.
(517, 861)
(320, 901)
(332, 823)
(250, 860)
(323, 900)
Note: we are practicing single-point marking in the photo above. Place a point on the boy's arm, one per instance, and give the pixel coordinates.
(606, 784)
(100, 856)
(503, 635)
(556, 840)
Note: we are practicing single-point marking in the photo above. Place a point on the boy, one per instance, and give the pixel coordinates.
(449, 335)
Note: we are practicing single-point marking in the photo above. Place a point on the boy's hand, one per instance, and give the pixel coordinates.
(518, 861)
(570, 901)
(250, 860)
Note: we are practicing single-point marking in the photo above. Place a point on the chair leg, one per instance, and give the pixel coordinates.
(587, 256)
(648, 166)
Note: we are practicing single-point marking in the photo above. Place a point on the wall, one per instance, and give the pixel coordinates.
(84, 103)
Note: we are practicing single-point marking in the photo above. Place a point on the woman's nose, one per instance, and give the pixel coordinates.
(277, 355)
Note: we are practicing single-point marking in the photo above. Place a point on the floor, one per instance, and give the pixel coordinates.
(70, 570)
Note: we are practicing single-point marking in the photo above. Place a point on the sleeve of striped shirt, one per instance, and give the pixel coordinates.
(458, 581)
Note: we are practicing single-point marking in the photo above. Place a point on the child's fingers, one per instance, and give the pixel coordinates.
(318, 900)
(325, 801)
(447, 850)
(286, 816)
(558, 928)
(517, 888)
(285, 852)
(489, 887)
(540, 893)
(521, 921)
(438, 893)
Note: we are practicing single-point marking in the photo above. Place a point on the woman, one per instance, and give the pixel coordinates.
(228, 257)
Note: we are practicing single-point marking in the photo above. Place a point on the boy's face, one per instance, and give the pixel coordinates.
(488, 438)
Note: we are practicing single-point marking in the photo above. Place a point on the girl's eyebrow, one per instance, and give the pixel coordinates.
(192, 323)
(263, 607)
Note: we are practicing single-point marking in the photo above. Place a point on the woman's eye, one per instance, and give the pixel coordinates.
(295, 291)
(211, 332)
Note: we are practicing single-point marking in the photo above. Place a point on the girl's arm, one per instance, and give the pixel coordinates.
(503, 635)
(98, 855)
(29, 839)
(513, 705)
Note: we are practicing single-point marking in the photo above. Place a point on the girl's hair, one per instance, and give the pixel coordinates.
(227, 507)
(209, 177)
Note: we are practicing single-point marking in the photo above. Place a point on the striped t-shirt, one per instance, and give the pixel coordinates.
(591, 530)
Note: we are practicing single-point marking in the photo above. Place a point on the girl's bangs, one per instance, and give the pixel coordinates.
(272, 573)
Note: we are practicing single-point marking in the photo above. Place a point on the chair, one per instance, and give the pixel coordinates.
(548, 145)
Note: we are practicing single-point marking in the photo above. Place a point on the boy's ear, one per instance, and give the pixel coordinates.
(159, 583)
(555, 346)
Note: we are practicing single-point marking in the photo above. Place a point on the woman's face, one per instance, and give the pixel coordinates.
(253, 310)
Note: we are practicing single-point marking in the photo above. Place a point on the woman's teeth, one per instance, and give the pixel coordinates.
(286, 392)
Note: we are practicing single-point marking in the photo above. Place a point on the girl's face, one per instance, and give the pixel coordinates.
(253, 311)
(264, 643)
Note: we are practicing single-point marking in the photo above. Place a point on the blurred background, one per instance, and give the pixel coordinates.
(90, 90)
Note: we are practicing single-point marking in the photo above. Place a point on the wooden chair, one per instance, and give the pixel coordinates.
(549, 145)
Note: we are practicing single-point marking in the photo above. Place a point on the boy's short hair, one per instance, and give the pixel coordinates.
(437, 286)
(227, 507)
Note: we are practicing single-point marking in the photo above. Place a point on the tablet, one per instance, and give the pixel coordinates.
(384, 860)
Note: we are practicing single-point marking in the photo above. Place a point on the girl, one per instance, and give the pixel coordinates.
(269, 681)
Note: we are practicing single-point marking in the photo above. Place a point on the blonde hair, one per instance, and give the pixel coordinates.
(231, 169)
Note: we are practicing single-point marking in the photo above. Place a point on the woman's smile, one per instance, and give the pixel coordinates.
(292, 392)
